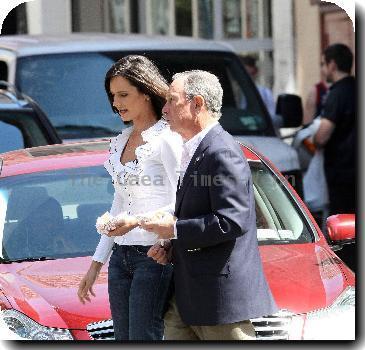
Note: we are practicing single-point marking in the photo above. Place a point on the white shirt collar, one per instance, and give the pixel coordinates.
(192, 144)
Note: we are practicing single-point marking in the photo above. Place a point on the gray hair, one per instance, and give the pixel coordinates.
(205, 84)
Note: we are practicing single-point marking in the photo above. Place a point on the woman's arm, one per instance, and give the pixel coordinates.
(87, 282)
(104, 248)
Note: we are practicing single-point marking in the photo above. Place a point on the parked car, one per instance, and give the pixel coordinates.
(65, 75)
(50, 198)
(22, 123)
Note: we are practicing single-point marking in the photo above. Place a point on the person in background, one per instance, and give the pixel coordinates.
(336, 134)
(314, 102)
(143, 165)
(315, 192)
(266, 94)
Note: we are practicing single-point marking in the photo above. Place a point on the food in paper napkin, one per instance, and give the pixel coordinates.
(156, 215)
(108, 222)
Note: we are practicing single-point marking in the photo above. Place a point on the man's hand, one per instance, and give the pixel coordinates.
(163, 227)
(161, 254)
(124, 226)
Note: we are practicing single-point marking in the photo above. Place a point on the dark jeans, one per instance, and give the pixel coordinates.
(138, 291)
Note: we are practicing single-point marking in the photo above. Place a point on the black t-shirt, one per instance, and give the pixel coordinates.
(340, 150)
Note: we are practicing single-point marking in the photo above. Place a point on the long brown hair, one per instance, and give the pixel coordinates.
(144, 75)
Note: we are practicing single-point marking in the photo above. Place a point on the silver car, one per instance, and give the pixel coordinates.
(65, 75)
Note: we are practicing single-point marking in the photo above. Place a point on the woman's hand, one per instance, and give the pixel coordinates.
(124, 226)
(86, 284)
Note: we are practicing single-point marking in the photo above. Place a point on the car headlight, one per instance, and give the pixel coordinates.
(26, 328)
(336, 322)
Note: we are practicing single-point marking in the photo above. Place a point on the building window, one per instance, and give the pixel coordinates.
(203, 18)
(15, 22)
(267, 32)
(183, 15)
(119, 14)
(252, 18)
(161, 17)
(232, 18)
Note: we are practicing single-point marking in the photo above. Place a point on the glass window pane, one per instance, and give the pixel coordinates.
(183, 18)
(267, 18)
(232, 18)
(205, 19)
(118, 13)
(53, 213)
(242, 112)
(11, 138)
(252, 22)
(20, 129)
(160, 16)
(37, 76)
(278, 219)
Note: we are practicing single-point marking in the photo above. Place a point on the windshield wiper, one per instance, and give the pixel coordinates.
(86, 128)
(42, 258)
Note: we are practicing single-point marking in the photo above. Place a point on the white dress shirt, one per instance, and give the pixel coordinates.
(188, 150)
(142, 186)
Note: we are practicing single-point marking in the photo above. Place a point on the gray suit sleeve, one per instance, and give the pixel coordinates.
(230, 202)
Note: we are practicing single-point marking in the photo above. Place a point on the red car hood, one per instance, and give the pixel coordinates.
(305, 277)
(46, 291)
(302, 278)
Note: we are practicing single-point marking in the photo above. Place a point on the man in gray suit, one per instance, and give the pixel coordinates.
(218, 276)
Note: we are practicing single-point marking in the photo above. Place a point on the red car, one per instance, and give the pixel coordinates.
(50, 197)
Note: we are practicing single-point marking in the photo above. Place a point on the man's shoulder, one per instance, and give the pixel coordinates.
(344, 85)
(224, 145)
(221, 138)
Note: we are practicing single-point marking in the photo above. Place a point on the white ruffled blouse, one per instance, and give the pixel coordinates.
(144, 185)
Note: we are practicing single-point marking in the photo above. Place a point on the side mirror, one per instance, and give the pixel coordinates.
(341, 227)
(291, 110)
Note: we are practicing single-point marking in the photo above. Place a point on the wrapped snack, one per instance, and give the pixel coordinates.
(158, 215)
(106, 223)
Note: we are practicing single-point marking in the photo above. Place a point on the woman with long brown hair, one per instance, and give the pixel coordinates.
(144, 162)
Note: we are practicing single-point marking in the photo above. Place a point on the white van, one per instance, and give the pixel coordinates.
(65, 75)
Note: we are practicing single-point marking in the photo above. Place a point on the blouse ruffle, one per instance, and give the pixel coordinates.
(121, 172)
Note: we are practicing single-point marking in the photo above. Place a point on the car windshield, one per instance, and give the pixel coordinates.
(52, 214)
(70, 89)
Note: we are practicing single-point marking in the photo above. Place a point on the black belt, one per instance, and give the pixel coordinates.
(139, 248)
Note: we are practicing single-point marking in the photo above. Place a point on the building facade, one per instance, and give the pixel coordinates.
(287, 36)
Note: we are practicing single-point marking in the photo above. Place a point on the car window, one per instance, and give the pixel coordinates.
(53, 213)
(20, 128)
(11, 137)
(242, 112)
(278, 218)
(3, 71)
(70, 89)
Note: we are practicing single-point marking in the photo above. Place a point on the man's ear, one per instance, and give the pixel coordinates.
(198, 103)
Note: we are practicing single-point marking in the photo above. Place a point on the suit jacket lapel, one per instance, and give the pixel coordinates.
(194, 164)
